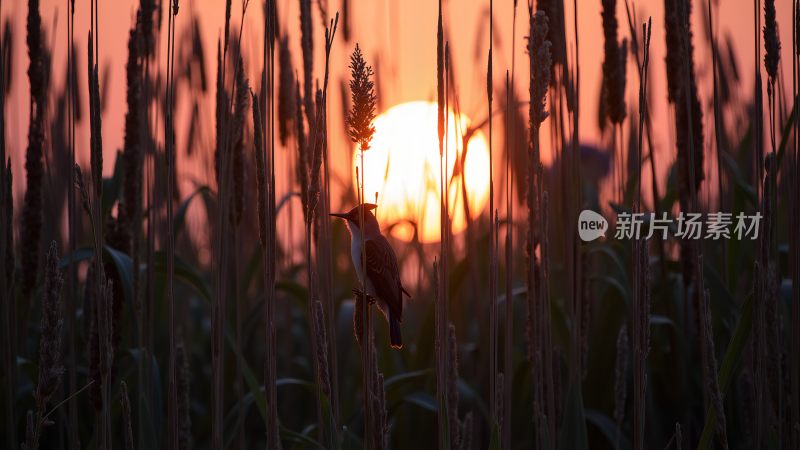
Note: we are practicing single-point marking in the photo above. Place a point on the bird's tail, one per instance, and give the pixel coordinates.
(395, 335)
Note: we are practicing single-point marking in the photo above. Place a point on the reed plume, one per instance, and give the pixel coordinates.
(31, 219)
(556, 33)
(50, 366)
(613, 65)
(242, 102)
(95, 121)
(363, 101)
(772, 42)
(318, 142)
(261, 176)
(307, 45)
(130, 207)
(302, 152)
(682, 92)
(221, 114)
(540, 60)
(286, 92)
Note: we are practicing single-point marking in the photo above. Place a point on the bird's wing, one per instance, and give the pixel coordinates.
(383, 272)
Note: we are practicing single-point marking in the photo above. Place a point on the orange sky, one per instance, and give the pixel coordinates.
(403, 34)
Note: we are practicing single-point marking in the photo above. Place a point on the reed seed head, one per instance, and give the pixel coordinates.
(31, 220)
(772, 42)
(556, 34)
(320, 135)
(135, 124)
(363, 100)
(286, 92)
(261, 177)
(50, 367)
(239, 120)
(302, 151)
(540, 61)
(613, 64)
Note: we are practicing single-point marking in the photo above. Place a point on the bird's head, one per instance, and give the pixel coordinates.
(353, 218)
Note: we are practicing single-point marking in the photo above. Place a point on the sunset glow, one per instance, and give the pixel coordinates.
(403, 168)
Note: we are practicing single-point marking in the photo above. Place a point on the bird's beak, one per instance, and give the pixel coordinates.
(339, 215)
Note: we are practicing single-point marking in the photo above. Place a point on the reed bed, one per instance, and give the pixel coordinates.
(123, 326)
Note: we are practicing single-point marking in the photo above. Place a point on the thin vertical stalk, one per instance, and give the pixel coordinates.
(795, 343)
(72, 438)
(641, 301)
(7, 306)
(267, 217)
(493, 333)
(717, 130)
(509, 319)
(577, 254)
(318, 335)
(540, 60)
(441, 275)
(172, 400)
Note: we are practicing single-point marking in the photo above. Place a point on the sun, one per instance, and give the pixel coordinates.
(402, 167)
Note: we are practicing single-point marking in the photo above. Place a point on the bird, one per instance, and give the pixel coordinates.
(382, 281)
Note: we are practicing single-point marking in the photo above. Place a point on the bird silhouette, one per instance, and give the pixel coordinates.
(382, 278)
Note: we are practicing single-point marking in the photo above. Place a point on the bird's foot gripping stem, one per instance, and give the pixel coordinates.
(359, 312)
(360, 295)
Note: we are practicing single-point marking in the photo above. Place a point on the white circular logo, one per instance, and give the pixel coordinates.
(591, 225)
